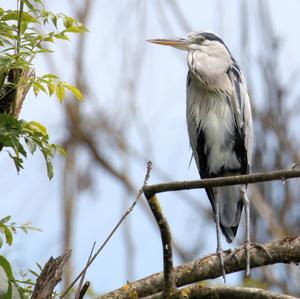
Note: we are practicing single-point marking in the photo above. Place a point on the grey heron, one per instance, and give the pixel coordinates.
(219, 123)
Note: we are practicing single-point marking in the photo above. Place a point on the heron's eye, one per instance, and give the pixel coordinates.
(201, 39)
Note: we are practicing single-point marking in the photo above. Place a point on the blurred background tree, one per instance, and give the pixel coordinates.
(135, 111)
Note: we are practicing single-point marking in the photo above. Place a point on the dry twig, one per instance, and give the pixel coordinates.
(140, 192)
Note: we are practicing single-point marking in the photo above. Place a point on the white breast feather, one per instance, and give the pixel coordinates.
(215, 118)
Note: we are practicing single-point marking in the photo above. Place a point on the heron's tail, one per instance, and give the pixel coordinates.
(231, 207)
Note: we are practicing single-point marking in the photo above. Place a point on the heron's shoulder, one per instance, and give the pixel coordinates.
(234, 72)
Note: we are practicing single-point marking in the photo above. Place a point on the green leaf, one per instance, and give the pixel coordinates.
(61, 36)
(76, 92)
(8, 236)
(60, 92)
(50, 76)
(22, 151)
(4, 263)
(18, 162)
(6, 278)
(13, 15)
(36, 126)
(28, 226)
(7, 120)
(47, 155)
(54, 21)
(76, 29)
(68, 22)
(59, 149)
(29, 5)
(13, 229)
(1, 242)
(5, 219)
(51, 88)
(31, 145)
(33, 273)
(37, 86)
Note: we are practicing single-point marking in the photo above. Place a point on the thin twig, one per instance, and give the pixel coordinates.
(140, 192)
(166, 237)
(222, 181)
(80, 287)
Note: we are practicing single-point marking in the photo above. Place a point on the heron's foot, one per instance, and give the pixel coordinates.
(233, 253)
(261, 247)
(247, 247)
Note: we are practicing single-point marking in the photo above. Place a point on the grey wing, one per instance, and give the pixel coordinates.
(193, 129)
(241, 108)
(191, 125)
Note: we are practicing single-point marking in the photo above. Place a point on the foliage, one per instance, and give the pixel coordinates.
(7, 230)
(24, 34)
(33, 134)
(21, 41)
(9, 286)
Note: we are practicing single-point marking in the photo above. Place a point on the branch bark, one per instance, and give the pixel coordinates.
(223, 181)
(285, 250)
(50, 276)
(166, 237)
(223, 292)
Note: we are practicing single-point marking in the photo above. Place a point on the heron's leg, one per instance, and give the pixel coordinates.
(247, 217)
(218, 229)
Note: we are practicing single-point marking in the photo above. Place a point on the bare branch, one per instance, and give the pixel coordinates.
(222, 181)
(285, 250)
(166, 237)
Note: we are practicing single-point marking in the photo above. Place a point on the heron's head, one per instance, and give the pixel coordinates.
(203, 41)
(208, 57)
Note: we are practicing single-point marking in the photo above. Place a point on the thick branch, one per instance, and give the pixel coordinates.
(285, 250)
(224, 292)
(223, 181)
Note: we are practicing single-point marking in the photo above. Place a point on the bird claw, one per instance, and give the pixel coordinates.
(261, 247)
(233, 253)
(247, 248)
(220, 254)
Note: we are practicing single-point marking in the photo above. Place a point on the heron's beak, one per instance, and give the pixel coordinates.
(179, 43)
